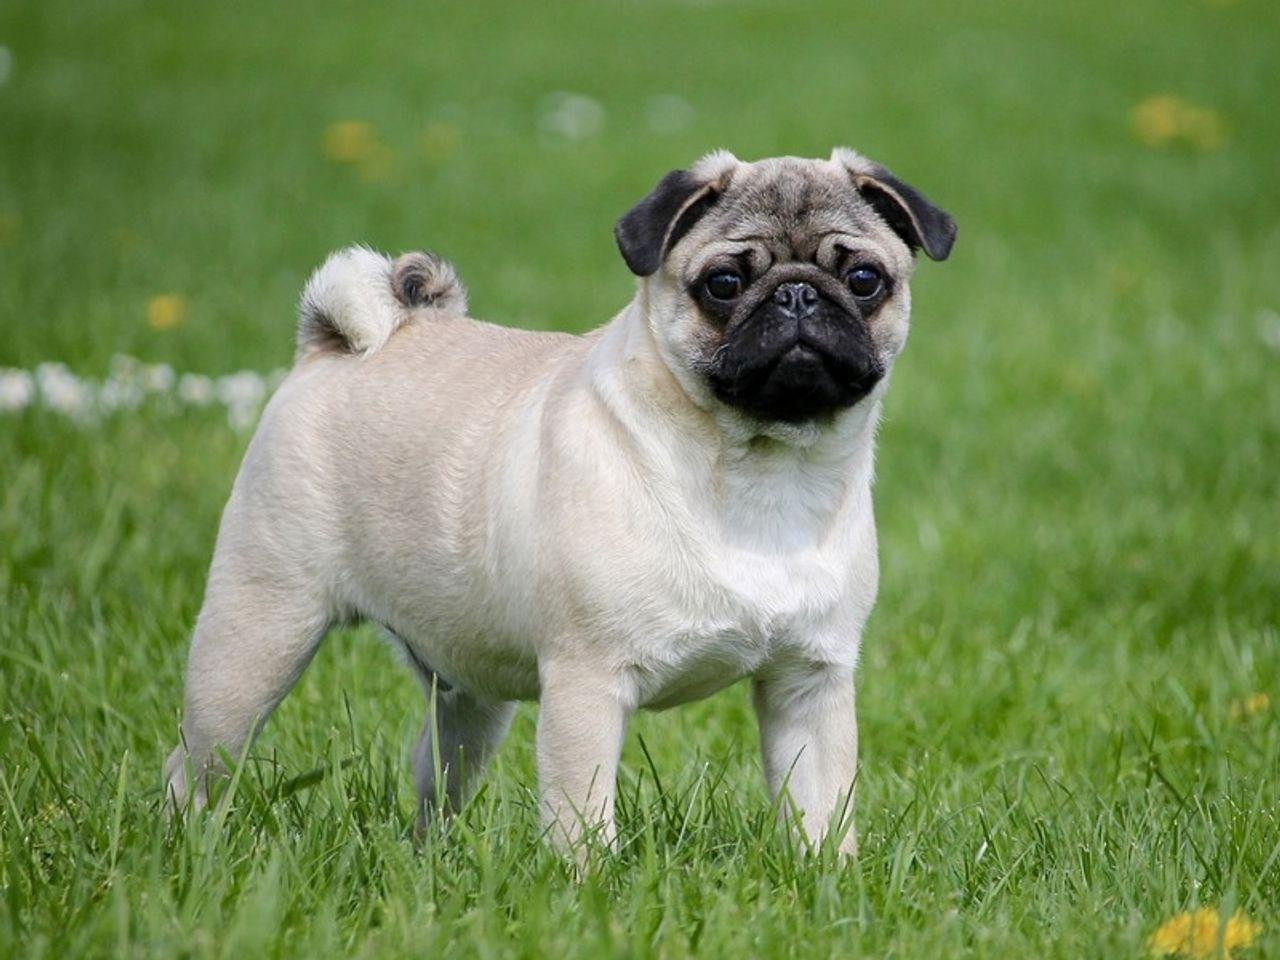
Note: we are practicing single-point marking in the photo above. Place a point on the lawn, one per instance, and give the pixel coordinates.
(1070, 692)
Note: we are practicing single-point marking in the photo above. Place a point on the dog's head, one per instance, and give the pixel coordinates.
(780, 288)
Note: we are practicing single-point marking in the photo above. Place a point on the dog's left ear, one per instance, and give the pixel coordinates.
(653, 226)
(921, 224)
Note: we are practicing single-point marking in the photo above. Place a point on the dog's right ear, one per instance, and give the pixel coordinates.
(654, 225)
(921, 224)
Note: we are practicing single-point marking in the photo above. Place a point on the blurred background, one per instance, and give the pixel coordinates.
(1078, 492)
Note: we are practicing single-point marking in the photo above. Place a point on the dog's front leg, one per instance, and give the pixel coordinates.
(809, 738)
(581, 721)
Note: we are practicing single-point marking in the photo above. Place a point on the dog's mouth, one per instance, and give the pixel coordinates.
(795, 375)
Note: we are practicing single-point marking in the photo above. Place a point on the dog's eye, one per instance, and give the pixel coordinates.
(864, 282)
(724, 285)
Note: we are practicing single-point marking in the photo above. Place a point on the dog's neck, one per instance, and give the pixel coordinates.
(794, 480)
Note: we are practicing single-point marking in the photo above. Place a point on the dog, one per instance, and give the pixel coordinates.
(637, 517)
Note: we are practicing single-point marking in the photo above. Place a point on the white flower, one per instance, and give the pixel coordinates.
(195, 389)
(125, 367)
(120, 393)
(62, 390)
(128, 386)
(572, 116)
(244, 387)
(241, 416)
(123, 389)
(242, 394)
(159, 378)
(17, 389)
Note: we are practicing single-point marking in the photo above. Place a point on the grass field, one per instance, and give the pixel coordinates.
(1070, 694)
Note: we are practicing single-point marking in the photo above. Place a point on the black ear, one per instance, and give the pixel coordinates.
(909, 214)
(652, 226)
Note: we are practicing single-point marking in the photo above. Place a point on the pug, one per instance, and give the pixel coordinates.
(633, 518)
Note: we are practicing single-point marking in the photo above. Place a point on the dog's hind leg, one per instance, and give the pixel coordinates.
(255, 635)
(459, 737)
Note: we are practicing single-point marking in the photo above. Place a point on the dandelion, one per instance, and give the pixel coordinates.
(1167, 120)
(166, 311)
(1202, 933)
(356, 143)
(349, 142)
(1155, 120)
(1248, 706)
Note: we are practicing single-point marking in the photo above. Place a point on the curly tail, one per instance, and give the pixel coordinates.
(358, 298)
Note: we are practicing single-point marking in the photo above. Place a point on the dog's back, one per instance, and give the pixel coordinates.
(399, 418)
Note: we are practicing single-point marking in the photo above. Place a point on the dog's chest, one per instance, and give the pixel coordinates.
(780, 587)
(761, 613)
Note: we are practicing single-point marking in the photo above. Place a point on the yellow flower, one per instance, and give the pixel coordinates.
(1248, 706)
(352, 141)
(1155, 120)
(356, 143)
(1202, 933)
(166, 311)
(1166, 119)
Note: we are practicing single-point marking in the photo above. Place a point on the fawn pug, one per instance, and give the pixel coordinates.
(632, 518)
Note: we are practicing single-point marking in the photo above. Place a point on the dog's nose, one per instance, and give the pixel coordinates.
(798, 300)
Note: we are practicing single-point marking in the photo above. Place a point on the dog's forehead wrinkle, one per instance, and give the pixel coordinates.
(787, 206)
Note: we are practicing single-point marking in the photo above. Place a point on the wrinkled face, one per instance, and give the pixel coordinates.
(782, 289)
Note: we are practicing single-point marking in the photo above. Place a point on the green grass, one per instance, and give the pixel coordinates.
(1078, 492)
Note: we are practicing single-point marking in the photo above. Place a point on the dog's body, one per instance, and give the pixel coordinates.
(604, 523)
